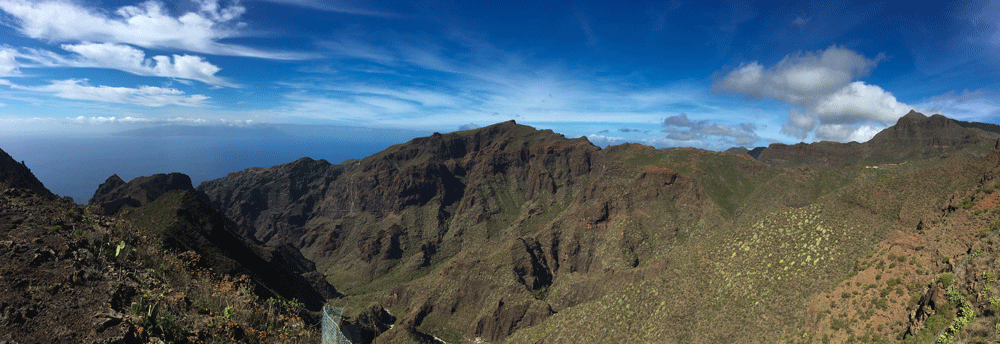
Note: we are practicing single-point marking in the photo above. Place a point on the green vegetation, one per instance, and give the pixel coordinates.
(946, 279)
(627, 244)
(966, 313)
(967, 202)
(934, 324)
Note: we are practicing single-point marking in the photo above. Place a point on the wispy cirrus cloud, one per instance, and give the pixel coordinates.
(149, 96)
(471, 77)
(148, 25)
(337, 7)
(978, 105)
(8, 63)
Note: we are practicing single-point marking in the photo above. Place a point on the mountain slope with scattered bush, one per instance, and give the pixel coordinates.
(507, 233)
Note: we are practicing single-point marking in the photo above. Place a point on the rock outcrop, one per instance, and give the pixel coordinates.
(14, 174)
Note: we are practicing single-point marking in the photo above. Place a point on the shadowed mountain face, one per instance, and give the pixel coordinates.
(914, 137)
(183, 219)
(14, 174)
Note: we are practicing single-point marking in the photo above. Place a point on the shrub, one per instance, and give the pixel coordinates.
(967, 202)
(914, 301)
(966, 314)
(837, 324)
(984, 233)
(947, 279)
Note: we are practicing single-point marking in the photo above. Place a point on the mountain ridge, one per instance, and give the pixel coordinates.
(913, 137)
(565, 225)
(511, 234)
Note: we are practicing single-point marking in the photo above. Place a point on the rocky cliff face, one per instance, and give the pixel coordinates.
(272, 205)
(15, 174)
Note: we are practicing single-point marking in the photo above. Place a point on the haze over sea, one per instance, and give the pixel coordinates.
(75, 165)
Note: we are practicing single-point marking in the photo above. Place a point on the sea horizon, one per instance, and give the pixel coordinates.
(75, 166)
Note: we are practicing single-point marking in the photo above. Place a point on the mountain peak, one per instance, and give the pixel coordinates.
(16, 175)
(141, 189)
(913, 115)
(915, 136)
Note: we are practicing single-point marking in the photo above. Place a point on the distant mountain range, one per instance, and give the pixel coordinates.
(510, 234)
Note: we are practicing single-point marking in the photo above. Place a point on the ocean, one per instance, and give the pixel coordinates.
(75, 166)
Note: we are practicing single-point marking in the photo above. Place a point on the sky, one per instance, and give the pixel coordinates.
(701, 74)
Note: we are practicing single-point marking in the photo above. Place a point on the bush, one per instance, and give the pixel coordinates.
(967, 202)
(984, 233)
(947, 279)
(837, 324)
(881, 304)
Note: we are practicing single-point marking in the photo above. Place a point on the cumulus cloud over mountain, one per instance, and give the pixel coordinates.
(822, 86)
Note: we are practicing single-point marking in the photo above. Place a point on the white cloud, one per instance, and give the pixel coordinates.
(976, 105)
(8, 65)
(603, 141)
(147, 25)
(112, 119)
(822, 87)
(846, 133)
(143, 95)
(128, 59)
(681, 129)
(860, 102)
(188, 120)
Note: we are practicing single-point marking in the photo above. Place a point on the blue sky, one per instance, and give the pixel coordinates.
(664, 73)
